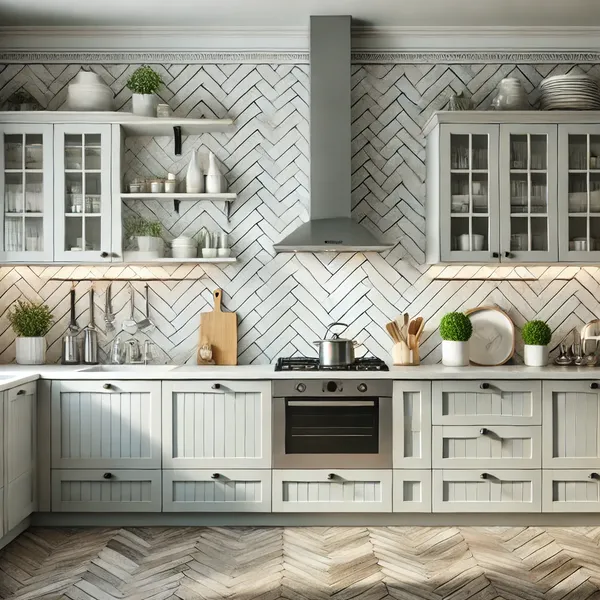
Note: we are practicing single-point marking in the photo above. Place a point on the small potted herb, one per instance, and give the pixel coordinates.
(147, 234)
(144, 83)
(455, 330)
(31, 322)
(536, 337)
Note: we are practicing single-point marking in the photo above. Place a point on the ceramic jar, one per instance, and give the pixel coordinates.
(455, 354)
(215, 182)
(535, 356)
(194, 180)
(511, 95)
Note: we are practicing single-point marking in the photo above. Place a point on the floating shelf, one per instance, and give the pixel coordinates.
(179, 196)
(170, 261)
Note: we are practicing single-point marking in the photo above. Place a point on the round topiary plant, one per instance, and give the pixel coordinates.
(144, 80)
(456, 327)
(536, 333)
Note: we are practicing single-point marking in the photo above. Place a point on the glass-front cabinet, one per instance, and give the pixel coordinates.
(26, 233)
(579, 192)
(82, 193)
(528, 195)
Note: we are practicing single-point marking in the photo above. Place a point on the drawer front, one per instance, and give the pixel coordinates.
(411, 403)
(571, 425)
(497, 447)
(20, 431)
(90, 491)
(228, 427)
(94, 427)
(570, 491)
(412, 490)
(325, 491)
(225, 491)
(498, 491)
(20, 499)
(489, 402)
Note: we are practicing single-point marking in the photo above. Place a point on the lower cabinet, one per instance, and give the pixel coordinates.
(491, 491)
(332, 491)
(412, 490)
(104, 491)
(223, 491)
(570, 491)
(2, 527)
(20, 499)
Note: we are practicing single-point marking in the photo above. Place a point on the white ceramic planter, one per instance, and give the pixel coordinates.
(455, 354)
(147, 243)
(535, 356)
(144, 105)
(30, 350)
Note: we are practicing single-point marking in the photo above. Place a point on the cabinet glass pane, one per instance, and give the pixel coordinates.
(479, 191)
(92, 232)
(479, 151)
(73, 151)
(34, 151)
(93, 191)
(459, 151)
(519, 234)
(34, 193)
(13, 192)
(74, 233)
(13, 151)
(539, 153)
(73, 193)
(539, 234)
(459, 187)
(577, 151)
(518, 151)
(92, 151)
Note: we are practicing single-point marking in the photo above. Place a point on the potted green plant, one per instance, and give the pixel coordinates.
(455, 330)
(144, 83)
(147, 235)
(31, 321)
(536, 337)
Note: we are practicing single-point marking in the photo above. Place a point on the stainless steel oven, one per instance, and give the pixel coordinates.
(331, 423)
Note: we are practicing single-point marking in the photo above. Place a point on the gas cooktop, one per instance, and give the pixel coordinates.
(303, 363)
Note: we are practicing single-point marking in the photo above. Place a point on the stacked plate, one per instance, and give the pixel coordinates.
(576, 91)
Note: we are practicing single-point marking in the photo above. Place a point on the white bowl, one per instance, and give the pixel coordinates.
(184, 252)
(209, 252)
(89, 97)
(224, 252)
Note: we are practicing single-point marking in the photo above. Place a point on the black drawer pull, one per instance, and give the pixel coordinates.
(107, 386)
(107, 475)
(215, 476)
(21, 393)
(330, 476)
(593, 476)
(216, 386)
(484, 476)
(485, 386)
(483, 431)
(594, 385)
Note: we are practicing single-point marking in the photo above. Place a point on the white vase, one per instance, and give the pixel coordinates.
(215, 182)
(455, 354)
(30, 350)
(194, 181)
(148, 243)
(535, 356)
(144, 105)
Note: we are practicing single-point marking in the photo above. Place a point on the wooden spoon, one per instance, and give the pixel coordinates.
(399, 333)
(392, 331)
(413, 342)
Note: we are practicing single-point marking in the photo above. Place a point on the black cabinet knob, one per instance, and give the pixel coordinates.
(216, 386)
(483, 431)
(107, 386)
(107, 475)
(103, 254)
(215, 476)
(484, 476)
(484, 386)
(495, 255)
(330, 476)
(593, 476)
(507, 255)
(594, 385)
(21, 393)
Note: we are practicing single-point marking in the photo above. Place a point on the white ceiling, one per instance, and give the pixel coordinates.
(294, 13)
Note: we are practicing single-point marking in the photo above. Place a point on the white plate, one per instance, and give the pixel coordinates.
(493, 339)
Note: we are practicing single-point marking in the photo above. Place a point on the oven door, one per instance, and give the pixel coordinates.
(344, 433)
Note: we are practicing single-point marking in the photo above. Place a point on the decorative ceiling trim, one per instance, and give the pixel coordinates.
(251, 57)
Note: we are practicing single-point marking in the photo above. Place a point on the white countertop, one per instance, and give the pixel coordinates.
(21, 373)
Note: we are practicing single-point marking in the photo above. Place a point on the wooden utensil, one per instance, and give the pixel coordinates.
(413, 327)
(219, 329)
(392, 331)
(405, 328)
(399, 333)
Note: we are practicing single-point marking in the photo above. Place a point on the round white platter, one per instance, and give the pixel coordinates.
(493, 339)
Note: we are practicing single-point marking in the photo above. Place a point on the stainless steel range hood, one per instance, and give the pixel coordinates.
(330, 227)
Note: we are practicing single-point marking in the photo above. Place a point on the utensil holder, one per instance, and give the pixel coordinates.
(401, 354)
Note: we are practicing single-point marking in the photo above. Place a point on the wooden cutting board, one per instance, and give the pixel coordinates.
(219, 329)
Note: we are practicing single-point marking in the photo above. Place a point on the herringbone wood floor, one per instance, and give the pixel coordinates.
(404, 563)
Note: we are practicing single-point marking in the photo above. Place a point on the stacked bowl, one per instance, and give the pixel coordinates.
(575, 91)
(184, 247)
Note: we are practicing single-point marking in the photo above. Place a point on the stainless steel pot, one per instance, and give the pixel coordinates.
(335, 351)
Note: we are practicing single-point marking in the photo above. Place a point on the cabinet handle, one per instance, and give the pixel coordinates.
(215, 476)
(107, 475)
(103, 254)
(21, 393)
(216, 386)
(107, 386)
(594, 385)
(593, 476)
(484, 476)
(483, 431)
(484, 385)
(495, 255)
(330, 476)
(508, 255)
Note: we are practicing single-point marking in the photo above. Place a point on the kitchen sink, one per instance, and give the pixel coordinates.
(127, 368)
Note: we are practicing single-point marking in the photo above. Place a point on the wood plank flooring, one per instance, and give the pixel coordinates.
(304, 563)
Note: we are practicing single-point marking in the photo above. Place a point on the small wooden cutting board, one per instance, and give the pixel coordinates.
(219, 329)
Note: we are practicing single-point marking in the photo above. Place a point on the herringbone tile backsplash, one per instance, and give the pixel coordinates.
(285, 301)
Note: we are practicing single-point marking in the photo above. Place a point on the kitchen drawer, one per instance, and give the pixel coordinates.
(411, 402)
(20, 499)
(412, 490)
(106, 424)
(337, 491)
(217, 425)
(92, 491)
(497, 447)
(492, 490)
(222, 491)
(571, 491)
(489, 402)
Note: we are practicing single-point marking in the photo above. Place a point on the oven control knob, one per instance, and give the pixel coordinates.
(331, 386)
(301, 387)
(362, 387)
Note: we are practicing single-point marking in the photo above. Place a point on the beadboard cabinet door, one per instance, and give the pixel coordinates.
(224, 491)
(489, 402)
(498, 491)
(571, 491)
(571, 431)
(412, 490)
(212, 424)
(100, 424)
(411, 401)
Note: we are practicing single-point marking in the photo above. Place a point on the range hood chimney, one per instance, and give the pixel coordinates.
(330, 227)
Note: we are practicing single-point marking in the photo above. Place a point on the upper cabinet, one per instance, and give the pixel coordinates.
(513, 187)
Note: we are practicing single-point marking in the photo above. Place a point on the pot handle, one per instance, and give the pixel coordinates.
(336, 335)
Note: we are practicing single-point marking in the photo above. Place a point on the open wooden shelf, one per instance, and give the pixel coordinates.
(179, 196)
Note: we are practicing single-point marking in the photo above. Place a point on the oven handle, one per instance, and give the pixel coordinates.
(331, 403)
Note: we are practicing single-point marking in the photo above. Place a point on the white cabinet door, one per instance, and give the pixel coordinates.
(106, 491)
(571, 431)
(26, 190)
(98, 424)
(487, 491)
(412, 490)
(570, 491)
(490, 402)
(495, 447)
(411, 431)
(224, 491)
(82, 193)
(343, 490)
(20, 436)
(217, 424)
